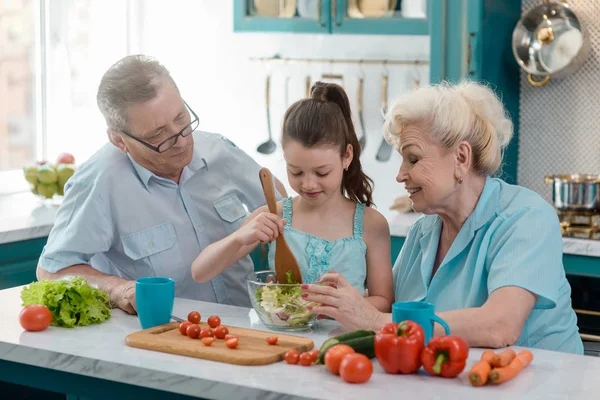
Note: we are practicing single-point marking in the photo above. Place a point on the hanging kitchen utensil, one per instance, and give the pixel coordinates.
(269, 146)
(385, 149)
(309, 8)
(550, 41)
(275, 8)
(286, 87)
(284, 258)
(362, 140)
(307, 83)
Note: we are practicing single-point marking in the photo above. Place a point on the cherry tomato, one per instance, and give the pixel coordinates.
(314, 354)
(35, 318)
(194, 317)
(272, 340)
(292, 356)
(183, 327)
(214, 321)
(305, 359)
(207, 341)
(232, 343)
(355, 368)
(334, 356)
(221, 332)
(193, 331)
(206, 332)
(229, 336)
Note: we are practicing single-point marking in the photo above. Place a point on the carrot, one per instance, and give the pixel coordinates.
(503, 374)
(478, 375)
(503, 359)
(480, 372)
(488, 355)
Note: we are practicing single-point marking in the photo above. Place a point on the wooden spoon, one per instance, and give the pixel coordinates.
(284, 258)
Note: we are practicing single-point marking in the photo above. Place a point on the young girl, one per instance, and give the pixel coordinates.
(330, 225)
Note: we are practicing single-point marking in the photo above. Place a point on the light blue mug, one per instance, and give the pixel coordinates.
(154, 298)
(420, 312)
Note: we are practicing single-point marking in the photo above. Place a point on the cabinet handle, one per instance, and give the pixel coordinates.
(469, 49)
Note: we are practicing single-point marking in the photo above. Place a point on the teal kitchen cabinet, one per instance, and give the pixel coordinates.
(474, 42)
(18, 262)
(330, 17)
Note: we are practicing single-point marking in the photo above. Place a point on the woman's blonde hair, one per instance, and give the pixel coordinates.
(467, 111)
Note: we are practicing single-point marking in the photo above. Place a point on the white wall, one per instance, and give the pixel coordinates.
(211, 66)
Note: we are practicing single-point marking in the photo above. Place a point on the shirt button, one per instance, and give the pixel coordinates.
(150, 245)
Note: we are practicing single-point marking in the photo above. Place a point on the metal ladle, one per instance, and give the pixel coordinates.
(269, 146)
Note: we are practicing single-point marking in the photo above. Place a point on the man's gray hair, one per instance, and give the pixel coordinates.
(131, 80)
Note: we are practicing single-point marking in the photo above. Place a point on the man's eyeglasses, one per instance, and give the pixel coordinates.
(169, 142)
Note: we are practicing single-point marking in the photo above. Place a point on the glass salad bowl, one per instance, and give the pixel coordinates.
(279, 306)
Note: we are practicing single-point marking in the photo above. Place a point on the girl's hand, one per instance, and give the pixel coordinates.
(341, 301)
(265, 227)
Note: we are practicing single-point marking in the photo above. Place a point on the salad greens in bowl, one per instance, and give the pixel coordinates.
(279, 306)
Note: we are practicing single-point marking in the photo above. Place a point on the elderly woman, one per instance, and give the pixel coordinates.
(486, 254)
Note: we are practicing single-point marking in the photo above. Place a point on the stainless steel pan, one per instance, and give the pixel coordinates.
(575, 192)
(550, 40)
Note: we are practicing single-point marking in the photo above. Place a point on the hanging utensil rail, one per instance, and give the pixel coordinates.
(277, 59)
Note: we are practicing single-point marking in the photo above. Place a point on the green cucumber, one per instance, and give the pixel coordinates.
(364, 345)
(344, 339)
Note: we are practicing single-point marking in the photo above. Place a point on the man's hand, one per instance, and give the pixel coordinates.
(123, 296)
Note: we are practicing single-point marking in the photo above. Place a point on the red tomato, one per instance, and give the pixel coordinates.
(334, 356)
(314, 354)
(214, 321)
(292, 356)
(272, 340)
(194, 317)
(230, 337)
(207, 341)
(206, 332)
(193, 331)
(305, 359)
(221, 332)
(183, 327)
(355, 368)
(35, 317)
(232, 343)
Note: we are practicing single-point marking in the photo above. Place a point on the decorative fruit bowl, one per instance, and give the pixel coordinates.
(279, 306)
(48, 180)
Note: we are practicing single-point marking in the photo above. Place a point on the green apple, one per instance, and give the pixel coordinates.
(34, 189)
(47, 190)
(64, 172)
(47, 174)
(61, 189)
(31, 174)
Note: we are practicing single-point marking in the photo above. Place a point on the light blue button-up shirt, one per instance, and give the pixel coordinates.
(512, 238)
(123, 220)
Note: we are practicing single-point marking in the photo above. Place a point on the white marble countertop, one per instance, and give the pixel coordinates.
(99, 351)
(24, 216)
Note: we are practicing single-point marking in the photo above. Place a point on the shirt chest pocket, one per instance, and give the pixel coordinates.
(232, 212)
(155, 251)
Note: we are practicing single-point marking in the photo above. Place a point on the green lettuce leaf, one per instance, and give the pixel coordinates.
(72, 302)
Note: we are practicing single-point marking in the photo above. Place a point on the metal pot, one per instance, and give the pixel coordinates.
(550, 40)
(575, 192)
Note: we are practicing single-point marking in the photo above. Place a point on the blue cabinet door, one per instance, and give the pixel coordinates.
(349, 17)
(297, 16)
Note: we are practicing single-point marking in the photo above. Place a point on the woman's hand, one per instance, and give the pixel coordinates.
(342, 302)
(265, 227)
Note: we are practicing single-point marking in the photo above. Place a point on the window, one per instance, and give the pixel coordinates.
(53, 55)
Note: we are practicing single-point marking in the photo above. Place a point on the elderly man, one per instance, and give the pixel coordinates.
(150, 201)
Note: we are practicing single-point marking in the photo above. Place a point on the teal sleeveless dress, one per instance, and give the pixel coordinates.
(316, 256)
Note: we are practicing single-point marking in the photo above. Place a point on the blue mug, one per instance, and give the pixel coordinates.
(154, 298)
(420, 312)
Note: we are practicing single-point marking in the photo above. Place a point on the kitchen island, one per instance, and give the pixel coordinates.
(94, 362)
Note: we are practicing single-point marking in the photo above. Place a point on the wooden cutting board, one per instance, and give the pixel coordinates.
(252, 349)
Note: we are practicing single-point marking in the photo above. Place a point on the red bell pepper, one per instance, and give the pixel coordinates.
(445, 356)
(398, 347)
